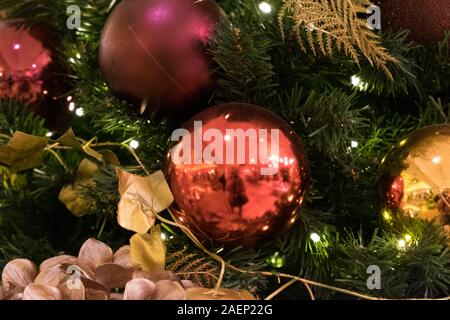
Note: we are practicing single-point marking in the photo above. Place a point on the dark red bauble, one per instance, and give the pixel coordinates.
(427, 20)
(28, 73)
(238, 174)
(155, 50)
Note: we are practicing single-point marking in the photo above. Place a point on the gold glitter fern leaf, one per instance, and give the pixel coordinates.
(335, 25)
(190, 266)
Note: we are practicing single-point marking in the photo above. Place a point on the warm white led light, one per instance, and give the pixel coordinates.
(79, 112)
(315, 237)
(134, 144)
(265, 7)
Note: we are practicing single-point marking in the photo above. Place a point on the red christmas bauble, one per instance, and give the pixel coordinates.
(238, 174)
(28, 73)
(155, 50)
(427, 20)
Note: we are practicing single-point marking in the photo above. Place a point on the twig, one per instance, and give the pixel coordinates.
(280, 289)
(58, 158)
(220, 280)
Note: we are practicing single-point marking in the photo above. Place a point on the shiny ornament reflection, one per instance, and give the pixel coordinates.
(155, 50)
(246, 201)
(21, 65)
(28, 74)
(414, 178)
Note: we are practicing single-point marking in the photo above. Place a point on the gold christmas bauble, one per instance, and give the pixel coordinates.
(414, 177)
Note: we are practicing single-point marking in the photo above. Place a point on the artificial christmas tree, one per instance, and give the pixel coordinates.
(349, 92)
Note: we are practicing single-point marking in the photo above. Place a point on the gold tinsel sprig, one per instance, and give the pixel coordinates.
(330, 26)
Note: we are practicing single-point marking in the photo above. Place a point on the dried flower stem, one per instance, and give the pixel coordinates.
(292, 278)
(58, 158)
(281, 289)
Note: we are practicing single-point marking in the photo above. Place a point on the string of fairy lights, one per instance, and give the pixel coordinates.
(276, 259)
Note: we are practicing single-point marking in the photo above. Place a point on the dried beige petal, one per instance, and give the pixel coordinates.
(148, 251)
(116, 296)
(122, 257)
(83, 288)
(42, 292)
(169, 290)
(142, 275)
(73, 290)
(58, 260)
(94, 253)
(139, 289)
(156, 276)
(79, 269)
(187, 284)
(52, 277)
(14, 294)
(141, 198)
(221, 294)
(163, 275)
(113, 275)
(96, 295)
(18, 273)
(95, 290)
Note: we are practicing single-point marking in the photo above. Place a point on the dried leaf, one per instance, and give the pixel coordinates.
(221, 294)
(113, 275)
(94, 253)
(141, 198)
(148, 251)
(169, 290)
(42, 292)
(69, 139)
(18, 273)
(23, 152)
(110, 158)
(86, 170)
(72, 195)
(139, 289)
(71, 198)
